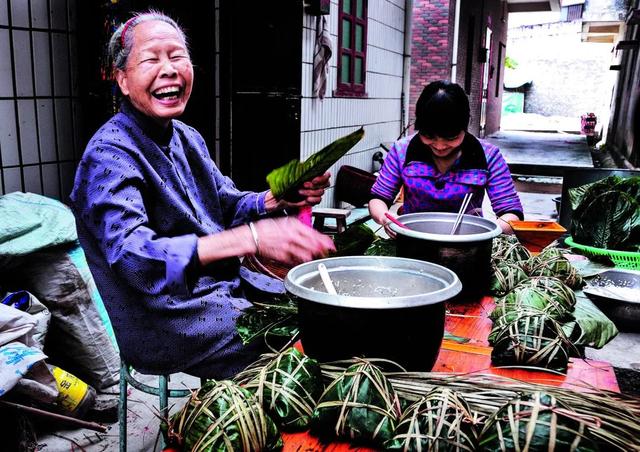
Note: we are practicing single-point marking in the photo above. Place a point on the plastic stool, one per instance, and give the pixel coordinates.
(162, 391)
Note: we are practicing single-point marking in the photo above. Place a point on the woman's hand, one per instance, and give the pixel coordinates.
(311, 192)
(289, 241)
(378, 210)
(283, 239)
(503, 221)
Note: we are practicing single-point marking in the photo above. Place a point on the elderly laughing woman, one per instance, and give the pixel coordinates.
(163, 229)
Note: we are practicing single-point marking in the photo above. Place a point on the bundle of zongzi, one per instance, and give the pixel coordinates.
(222, 416)
(551, 262)
(553, 303)
(538, 422)
(359, 405)
(288, 388)
(507, 247)
(441, 420)
(506, 276)
(531, 340)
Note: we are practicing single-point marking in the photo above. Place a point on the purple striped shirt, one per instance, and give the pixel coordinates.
(480, 167)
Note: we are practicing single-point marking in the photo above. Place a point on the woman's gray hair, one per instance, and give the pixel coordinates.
(119, 48)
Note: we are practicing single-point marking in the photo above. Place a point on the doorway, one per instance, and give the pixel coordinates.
(97, 21)
(260, 88)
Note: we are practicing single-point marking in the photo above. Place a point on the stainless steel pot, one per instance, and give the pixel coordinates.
(623, 308)
(467, 253)
(386, 307)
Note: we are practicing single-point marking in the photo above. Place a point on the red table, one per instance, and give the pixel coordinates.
(470, 320)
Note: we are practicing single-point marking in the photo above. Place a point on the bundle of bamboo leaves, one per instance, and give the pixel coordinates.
(222, 416)
(607, 419)
(287, 385)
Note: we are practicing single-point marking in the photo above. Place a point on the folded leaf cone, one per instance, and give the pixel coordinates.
(285, 181)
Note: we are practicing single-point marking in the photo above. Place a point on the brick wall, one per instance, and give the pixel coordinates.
(431, 49)
(483, 14)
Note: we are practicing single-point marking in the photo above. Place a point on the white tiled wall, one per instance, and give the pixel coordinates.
(380, 112)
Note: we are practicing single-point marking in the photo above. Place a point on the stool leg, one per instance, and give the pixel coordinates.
(163, 391)
(122, 409)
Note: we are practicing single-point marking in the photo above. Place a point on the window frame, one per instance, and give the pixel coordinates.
(352, 89)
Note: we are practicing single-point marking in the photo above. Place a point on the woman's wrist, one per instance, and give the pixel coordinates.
(254, 236)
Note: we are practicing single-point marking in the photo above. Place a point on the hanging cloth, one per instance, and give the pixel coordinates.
(321, 56)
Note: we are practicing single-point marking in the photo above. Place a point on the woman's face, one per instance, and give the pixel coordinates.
(443, 147)
(159, 75)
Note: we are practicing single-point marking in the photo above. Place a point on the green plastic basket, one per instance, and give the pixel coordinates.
(621, 259)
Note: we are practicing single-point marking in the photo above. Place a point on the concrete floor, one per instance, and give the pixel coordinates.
(521, 147)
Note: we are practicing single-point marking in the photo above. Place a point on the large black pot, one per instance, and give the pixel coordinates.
(386, 307)
(467, 253)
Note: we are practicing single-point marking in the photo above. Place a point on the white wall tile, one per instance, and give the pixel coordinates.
(64, 129)
(58, 14)
(51, 180)
(28, 131)
(6, 68)
(383, 86)
(39, 14)
(46, 130)
(42, 69)
(12, 180)
(387, 13)
(380, 35)
(60, 64)
(384, 61)
(22, 59)
(32, 179)
(4, 12)
(8, 134)
(20, 13)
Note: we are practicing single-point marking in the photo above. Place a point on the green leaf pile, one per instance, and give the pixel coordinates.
(607, 213)
(286, 180)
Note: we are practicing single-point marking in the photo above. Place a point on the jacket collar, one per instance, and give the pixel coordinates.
(161, 135)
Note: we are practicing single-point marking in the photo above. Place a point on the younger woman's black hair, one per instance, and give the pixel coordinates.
(442, 110)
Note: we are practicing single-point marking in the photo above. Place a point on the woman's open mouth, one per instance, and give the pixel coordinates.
(168, 93)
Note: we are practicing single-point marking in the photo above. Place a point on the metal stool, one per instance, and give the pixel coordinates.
(162, 391)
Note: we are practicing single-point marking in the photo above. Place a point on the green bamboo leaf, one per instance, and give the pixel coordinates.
(286, 180)
(591, 328)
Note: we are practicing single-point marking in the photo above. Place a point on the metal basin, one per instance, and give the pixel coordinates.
(617, 294)
(386, 307)
(467, 253)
